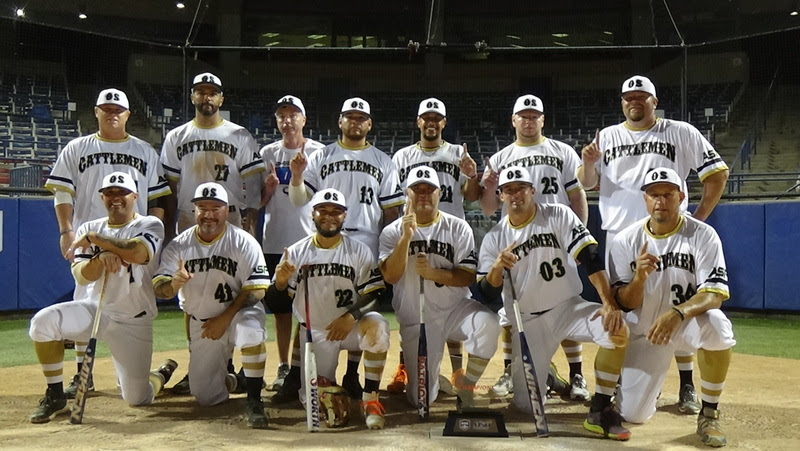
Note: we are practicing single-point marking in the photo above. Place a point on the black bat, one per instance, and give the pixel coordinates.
(76, 416)
(531, 381)
(423, 402)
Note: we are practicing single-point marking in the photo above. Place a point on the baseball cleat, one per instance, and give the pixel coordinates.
(445, 386)
(49, 407)
(290, 390)
(399, 380)
(504, 386)
(708, 428)
(283, 371)
(607, 423)
(687, 400)
(182, 387)
(70, 391)
(373, 411)
(556, 383)
(578, 390)
(256, 416)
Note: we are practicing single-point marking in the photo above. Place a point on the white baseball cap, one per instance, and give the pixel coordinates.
(639, 83)
(356, 104)
(291, 101)
(432, 105)
(662, 175)
(210, 191)
(113, 96)
(513, 174)
(207, 78)
(528, 102)
(120, 180)
(423, 174)
(328, 196)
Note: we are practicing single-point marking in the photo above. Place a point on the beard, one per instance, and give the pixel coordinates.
(427, 137)
(328, 233)
(207, 109)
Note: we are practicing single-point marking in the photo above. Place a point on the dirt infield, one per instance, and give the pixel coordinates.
(760, 411)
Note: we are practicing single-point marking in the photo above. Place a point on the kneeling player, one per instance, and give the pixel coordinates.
(114, 258)
(338, 277)
(219, 274)
(430, 247)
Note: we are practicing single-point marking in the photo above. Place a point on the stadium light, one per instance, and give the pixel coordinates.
(82, 15)
(20, 12)
(180, 5)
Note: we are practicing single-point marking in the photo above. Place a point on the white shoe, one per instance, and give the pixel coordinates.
(504, 386)
(283, 371)
(445, 386)
(578, 390)
(373, 410)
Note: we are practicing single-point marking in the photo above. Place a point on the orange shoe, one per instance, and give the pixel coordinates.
(399, 381)
(458, 379)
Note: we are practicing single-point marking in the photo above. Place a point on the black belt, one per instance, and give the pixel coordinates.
(536, 313)
(201, 320)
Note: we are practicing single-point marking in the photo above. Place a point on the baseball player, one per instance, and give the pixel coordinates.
(115, 256)
(621, 155)
(429, 244)
(553, 166)
(219, 274)
(367, 178)
(343, 283)
(284, 224)
(211, 149)
(539, 244)
(459, 176)
(78, 174)
(669, 272)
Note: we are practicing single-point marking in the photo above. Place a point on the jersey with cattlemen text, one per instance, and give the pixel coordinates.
(690, 260)
(337, 277)
(225, 154)
(553, 166)
(547, 246)
(628, 154)
(444, 160)
(284, 223)
(220, 269)
(81, 166)
(448, 243)
(367, 178)
(128, 293)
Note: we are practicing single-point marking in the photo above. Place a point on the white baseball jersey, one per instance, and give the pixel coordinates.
(337, 276)
(226, 154)
(553, 166)
(448, 244)
(547, 246)
(81, 166)
(444, 160)
(627, 155)
(220, 269)
(128, 293)
(367, 178)
(285, 224)
(691, 260)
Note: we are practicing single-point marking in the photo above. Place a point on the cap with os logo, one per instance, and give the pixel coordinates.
(328, 196)
(513, 174)
(210, 191)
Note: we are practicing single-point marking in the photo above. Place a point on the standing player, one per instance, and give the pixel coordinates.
(539, 244)
(367, 178)
(343, 283)
(211, 149)
(429, 244)
(218, 272)
(116, 257)
(620, 156)
(458, 174)
(553, 166)
(284, 224)
(669, 271)
(78, 174)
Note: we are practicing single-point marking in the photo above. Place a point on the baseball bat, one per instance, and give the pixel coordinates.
(531, 381)
(423, 403)
(310, 365)
(76, 416)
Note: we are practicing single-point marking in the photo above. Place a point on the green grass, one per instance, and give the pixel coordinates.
(773, 337)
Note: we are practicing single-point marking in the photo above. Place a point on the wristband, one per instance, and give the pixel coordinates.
(680, 313)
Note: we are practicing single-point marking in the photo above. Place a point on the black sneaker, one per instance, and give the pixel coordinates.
(353, 387)
(608, 423)
(256, 417)
(182, 387)
(290, 389)
(70, 391)
(49, 407)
